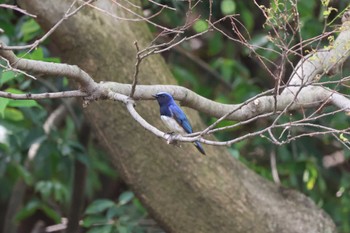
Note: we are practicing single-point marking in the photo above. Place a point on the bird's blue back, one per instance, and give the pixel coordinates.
(169, 108)
(180, 117)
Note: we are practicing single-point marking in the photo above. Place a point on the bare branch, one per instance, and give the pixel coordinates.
(16, 8)
(164, 6)
(50, 95)
(137, 65)
(49, 68)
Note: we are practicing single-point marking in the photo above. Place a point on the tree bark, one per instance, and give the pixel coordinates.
(184, 191)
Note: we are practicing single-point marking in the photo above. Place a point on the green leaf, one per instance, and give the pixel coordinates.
(228, 7)
(310, 175)
(13, 114)
(114, 212)
(60, 192)
(23, 103)
(99, 206)
(200, 26)
(125, 197)
(247, 16)
(304, 9)
(14, 91)
(30, 29)
(37, 54)
(51, 213)
(137, 203)
(20, 103)
(44, 188)
(3, 103)
(28, 210)
(25, 174)
(6, 77)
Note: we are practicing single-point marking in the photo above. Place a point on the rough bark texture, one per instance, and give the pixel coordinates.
(184, 191)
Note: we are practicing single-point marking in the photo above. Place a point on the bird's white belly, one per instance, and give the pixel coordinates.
(172, 125)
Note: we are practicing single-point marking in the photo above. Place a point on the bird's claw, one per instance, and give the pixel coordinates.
(170, 137)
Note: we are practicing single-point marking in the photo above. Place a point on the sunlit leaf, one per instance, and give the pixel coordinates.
(20, 103)
(23, 103)
(13, 114)
(37, 54)
(30, 29)
(200, 26)
(3, 103)
(228, 7)
(310, 175)
(6, 77)
(343, 138)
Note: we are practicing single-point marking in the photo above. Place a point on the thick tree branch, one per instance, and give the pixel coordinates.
(326, 61)
(50, 68)
(309, 96)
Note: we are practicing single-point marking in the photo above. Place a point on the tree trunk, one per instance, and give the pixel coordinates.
(183, 190)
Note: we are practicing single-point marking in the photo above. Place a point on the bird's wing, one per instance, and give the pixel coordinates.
(180, 118)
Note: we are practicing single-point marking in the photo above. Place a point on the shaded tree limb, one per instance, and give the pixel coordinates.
(308, 96)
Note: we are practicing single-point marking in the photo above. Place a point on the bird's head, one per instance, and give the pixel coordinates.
(163, 98)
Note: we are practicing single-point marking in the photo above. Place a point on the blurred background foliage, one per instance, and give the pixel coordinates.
(211, 65)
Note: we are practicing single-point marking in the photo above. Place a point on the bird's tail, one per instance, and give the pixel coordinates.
(199, 147)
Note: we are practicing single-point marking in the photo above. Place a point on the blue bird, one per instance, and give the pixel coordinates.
(173, 116)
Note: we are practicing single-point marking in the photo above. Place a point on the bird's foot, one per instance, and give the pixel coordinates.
(171, 138)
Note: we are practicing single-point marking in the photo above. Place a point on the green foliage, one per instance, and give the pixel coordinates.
(29, 30)
(104, 215)
(36, 205)
(49, 176)
(99, 206)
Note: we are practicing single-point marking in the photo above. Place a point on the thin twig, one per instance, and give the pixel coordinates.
(16, 8)
(136, 72)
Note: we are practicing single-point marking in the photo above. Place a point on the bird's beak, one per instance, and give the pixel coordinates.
(155, 96)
